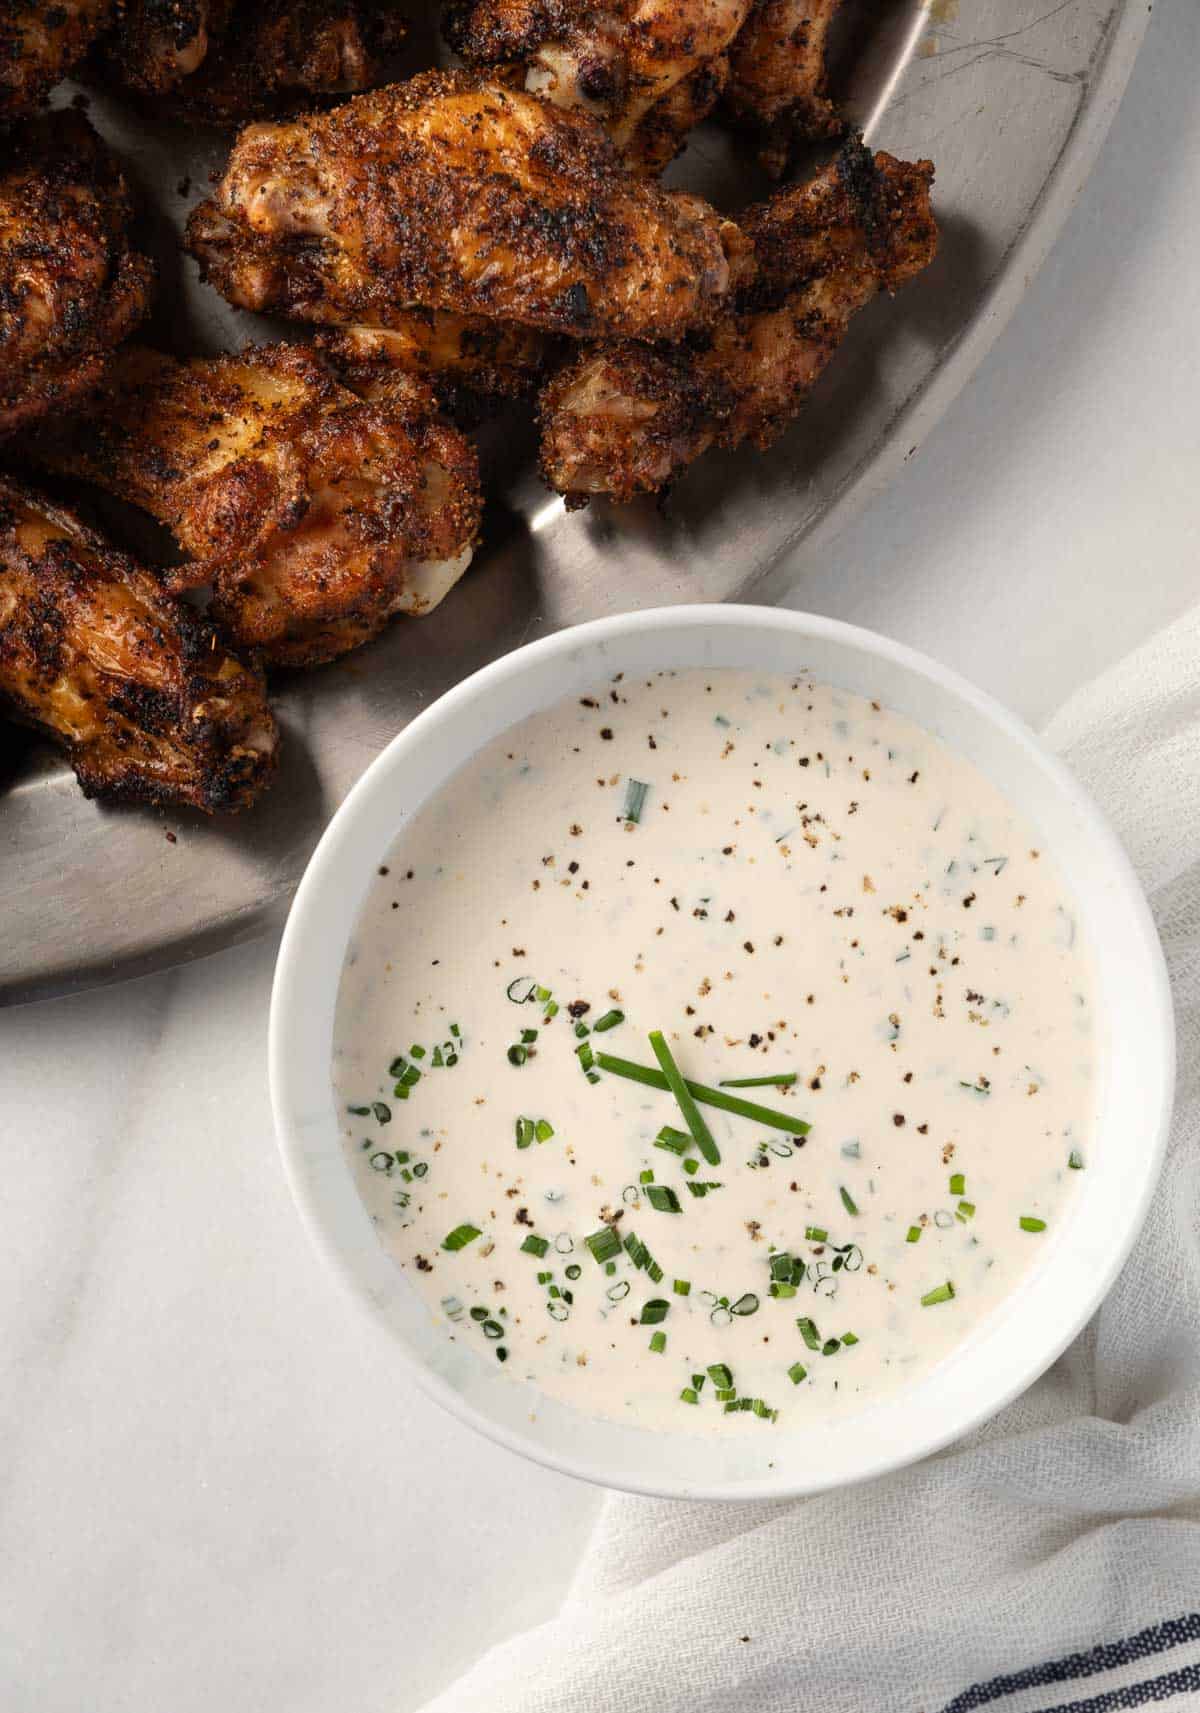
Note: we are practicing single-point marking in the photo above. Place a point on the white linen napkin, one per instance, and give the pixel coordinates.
(1050, 1561)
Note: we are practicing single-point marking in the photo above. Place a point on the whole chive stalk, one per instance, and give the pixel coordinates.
(1028, 1222)
(534, 1245)
(939, 1294)
(460, 1237)
(683, 1098)
(635, 798)
(608, 1021)
(705, 1095)
(782, 1079)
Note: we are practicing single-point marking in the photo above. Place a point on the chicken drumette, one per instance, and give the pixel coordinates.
(648, 70)
(225, 60)
(70, 287)
(778, 81)
(625, 419)
(315, 514)
(451, 192)
(39, 44)
(136, 689)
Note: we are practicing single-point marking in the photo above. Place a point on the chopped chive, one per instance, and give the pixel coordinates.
(658, 1342)
(437, 1061)
(479, 1314)
(360, 1111)
(746, 1304)
(398, 1066)
(529, 1036)
(646, 1177)
(581, 1030)
(781, 1266)
(456, 1031)
(543, 1130)
(550, 1011)
(522, 981)
(383, 1114)
(964, 1211)
(781, 1288)
(797, 1372)
(698, 1382)
(492, 1329)
(674, 1141)
(849, 1338)
(534, 1245)
(939, 1294)
(544, 1278)
(683, 1099)
(608, 1021)
(691, 1166)
(782, 1079)
(460, 1237)
(501, 1353)
(728, 1392)
(541, 994)
(604, 1244)
(618, 1292)
(662, 1198)
(585, 1056)
(524, 1131)
(682, 1287)
(635, 797)
(517, 1055)
(958, 1183)
(654, 1310)
(809, 1333)
(914, 1234)
(689, 1396)
(848, 1201)
(719, 1374)
(816, 1234)
(831, 1347)
(416, 1052)
(1027, 1222)
(1075, 1160)
(706, 1096)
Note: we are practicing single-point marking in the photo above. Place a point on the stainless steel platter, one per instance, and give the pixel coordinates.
(1010, 98)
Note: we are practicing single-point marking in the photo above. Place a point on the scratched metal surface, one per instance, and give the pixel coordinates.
(1010, 98)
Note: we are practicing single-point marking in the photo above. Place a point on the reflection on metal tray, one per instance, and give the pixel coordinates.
(1010, 98)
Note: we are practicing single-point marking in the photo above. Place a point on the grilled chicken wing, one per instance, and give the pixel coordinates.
(623, 64)
(137, 689)
(456, 193)
(778, 83)
(316, 515)
(70, 287)
(625, 419)
(226, 60)
(40, 41)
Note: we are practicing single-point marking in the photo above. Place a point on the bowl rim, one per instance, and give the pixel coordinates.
(321, 873)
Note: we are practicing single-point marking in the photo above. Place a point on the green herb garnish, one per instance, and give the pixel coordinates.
(460, 1237)
(939, 1294)
(706, 1096)
(1027, 1222)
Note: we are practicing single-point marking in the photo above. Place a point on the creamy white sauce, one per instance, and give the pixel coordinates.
(815, 885)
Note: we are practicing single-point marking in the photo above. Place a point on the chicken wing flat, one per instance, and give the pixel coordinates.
(456, 193)
(623, 63)
(70, 286)
(137, 689)
(778, 81)
(39, 44)
(316, 515)
(222, 61)
(625, 419)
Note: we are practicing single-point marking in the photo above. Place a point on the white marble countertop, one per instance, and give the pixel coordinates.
(216, 1491)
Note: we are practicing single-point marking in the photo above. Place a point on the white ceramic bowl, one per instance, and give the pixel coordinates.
(1025, 1333)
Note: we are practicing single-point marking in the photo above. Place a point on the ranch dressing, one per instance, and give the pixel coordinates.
(814, 889)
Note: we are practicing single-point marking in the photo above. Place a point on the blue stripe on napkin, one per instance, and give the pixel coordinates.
(1106, 1656)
